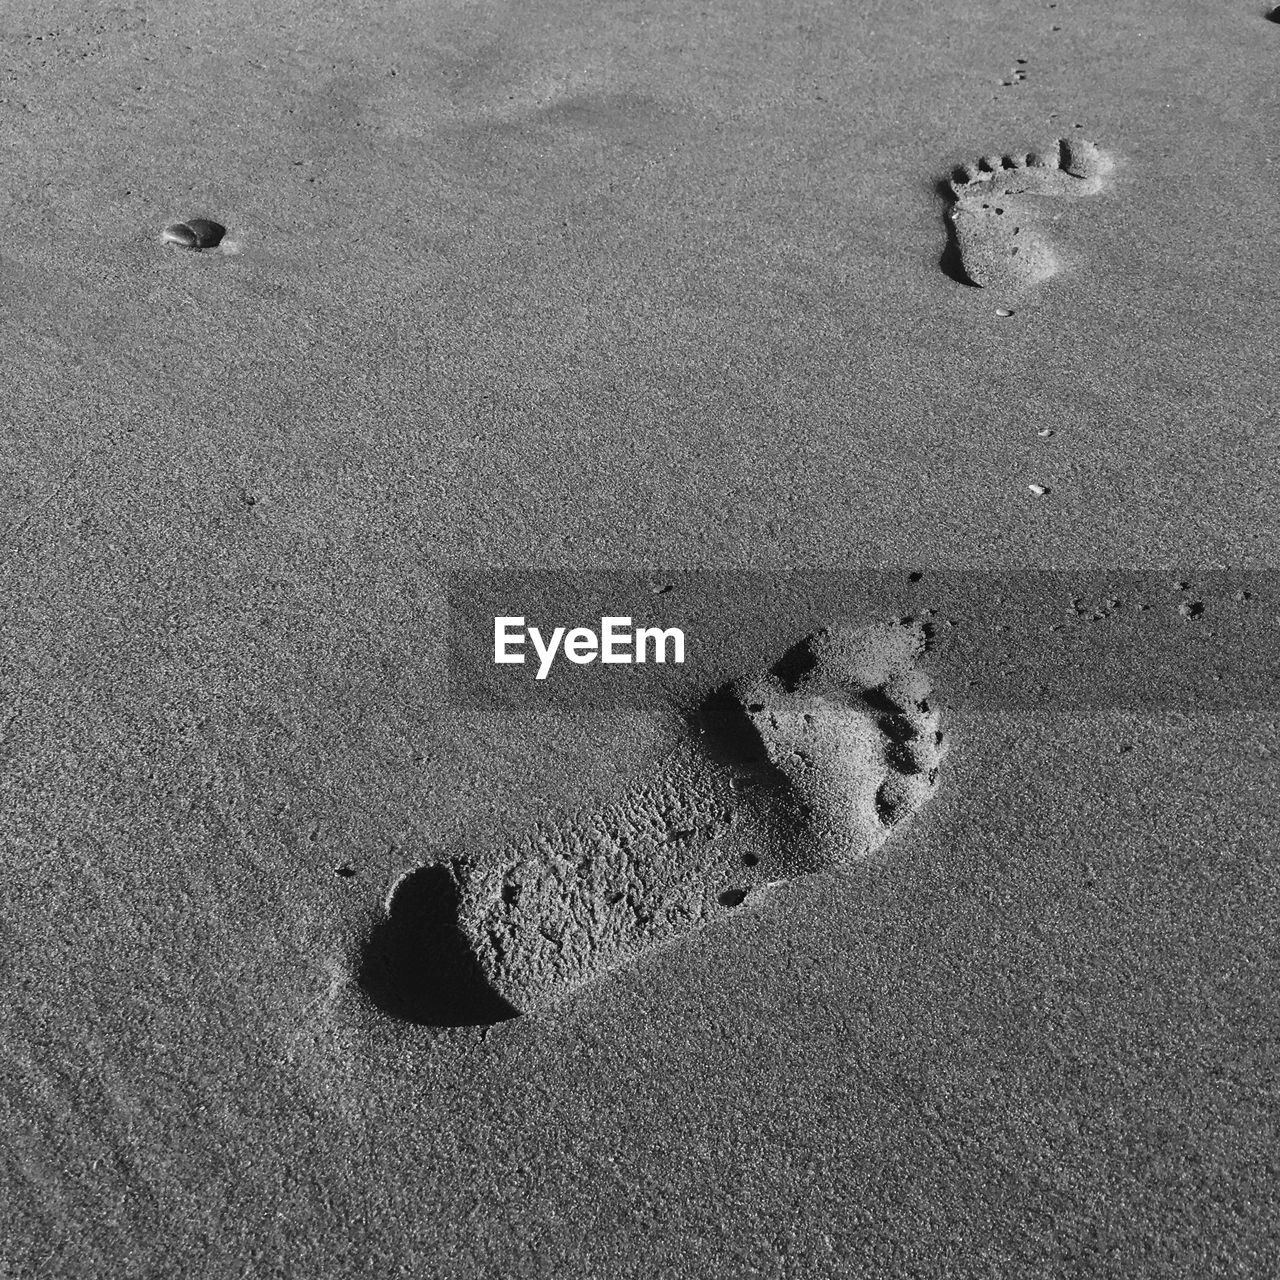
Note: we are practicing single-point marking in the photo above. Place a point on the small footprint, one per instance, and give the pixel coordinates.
(994, 236)
(807, 767)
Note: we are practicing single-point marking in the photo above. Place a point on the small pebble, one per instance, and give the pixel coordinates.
(1044, 433)
(180, 234)
(197, 234)
(1038, 489)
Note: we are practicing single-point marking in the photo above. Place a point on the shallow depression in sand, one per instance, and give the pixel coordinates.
(995, 239)
(812, 765)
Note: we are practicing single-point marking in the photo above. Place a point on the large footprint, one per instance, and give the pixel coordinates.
(994, 227)
(842, 748)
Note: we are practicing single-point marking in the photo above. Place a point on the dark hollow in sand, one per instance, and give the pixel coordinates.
(417, 965)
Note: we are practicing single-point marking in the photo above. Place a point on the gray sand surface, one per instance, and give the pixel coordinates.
(635, 286)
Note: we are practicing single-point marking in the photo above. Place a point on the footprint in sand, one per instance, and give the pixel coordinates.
(993, 225)
(804, 768)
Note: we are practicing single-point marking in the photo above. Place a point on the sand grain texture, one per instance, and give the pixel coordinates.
(524, 286)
